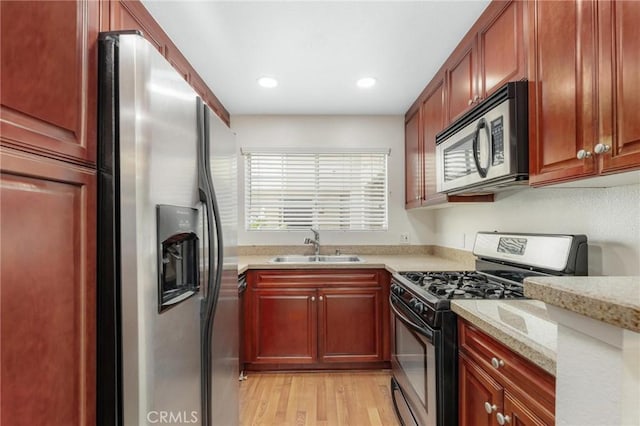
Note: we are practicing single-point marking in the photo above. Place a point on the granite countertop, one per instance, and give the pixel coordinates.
(390, 262)
(521, 325)
(613, 300)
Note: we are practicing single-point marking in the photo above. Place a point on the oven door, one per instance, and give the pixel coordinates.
(413, 363)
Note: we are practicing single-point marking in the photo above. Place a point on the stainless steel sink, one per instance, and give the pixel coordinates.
(316, 259)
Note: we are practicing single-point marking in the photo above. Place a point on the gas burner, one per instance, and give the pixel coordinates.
(463, 285)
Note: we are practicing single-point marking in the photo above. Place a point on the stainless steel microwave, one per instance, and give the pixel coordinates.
(487, 149)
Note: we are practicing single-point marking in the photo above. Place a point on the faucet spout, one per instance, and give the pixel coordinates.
(315, 241)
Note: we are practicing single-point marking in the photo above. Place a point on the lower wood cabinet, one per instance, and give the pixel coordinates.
(497, 386)
(314, 319)
(48, 303)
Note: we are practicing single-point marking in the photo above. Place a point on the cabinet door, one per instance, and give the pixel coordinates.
(476, 389)
(521, 413)
(562, 92)
(413, 161)
(619, 84)
(433, 110)
(284, 326)
(461, 81)
(47, 309)
(350, 325)
(49, 77)
(502, 53)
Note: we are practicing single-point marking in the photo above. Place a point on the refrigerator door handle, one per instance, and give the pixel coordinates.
(215, 257)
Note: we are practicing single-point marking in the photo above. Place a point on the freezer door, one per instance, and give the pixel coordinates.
(157, 161)
(225, 339)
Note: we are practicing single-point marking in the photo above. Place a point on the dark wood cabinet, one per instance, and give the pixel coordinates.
(501, 47)
(619, 84)
(48, 305)
(413, 161)
(461, 79)
(583, 91)
(477, 388)
(318, 318)
(286, 324)
(497, 384)
(562, 92)
(490, 55)
(49, 78)
(433, 121)
(350, 324)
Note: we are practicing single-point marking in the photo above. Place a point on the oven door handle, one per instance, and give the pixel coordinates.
(423, 331)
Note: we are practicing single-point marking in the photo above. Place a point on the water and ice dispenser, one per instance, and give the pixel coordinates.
(177, 255)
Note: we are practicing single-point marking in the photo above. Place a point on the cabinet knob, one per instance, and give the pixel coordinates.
(489, 408)
(476, 98)
(313, 298)
(320, 298)
(497, 363)
(470, 102)
(601, 148)
(582, 154)
(502, 419)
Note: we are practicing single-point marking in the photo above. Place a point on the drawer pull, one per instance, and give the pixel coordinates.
(497, 363)
(489, 408)
(502, 419)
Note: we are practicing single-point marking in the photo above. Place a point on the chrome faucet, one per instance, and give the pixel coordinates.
(315, 241)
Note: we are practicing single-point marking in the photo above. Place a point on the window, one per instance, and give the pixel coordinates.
(342, 191)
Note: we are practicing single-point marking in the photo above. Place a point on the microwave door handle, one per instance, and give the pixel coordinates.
(482, 171)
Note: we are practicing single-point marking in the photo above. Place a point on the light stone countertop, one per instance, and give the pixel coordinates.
(521, 325)
(613, 300)
(390, 262)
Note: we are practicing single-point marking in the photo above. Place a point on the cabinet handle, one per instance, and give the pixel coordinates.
(582, 154)
(497, 363)
(320, 298)
(313, 298)
(601, 148)
(489, 408)
(502, 419)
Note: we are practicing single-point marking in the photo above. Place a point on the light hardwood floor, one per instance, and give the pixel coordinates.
(359, 398)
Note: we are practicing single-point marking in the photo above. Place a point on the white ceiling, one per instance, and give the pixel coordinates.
(317, 50)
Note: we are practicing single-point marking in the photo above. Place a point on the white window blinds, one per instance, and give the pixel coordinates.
(330, 191)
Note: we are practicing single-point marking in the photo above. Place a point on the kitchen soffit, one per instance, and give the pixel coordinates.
(317, 50)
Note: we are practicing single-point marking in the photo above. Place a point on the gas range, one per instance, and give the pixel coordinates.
(503, 261)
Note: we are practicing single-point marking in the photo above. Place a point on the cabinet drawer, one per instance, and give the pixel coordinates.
(513, 370)
(314, 278)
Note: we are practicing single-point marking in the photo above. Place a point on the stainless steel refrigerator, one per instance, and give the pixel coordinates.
(167, 266)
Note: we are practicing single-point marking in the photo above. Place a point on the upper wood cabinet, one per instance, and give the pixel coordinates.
(501, 45)
(49, 78)
(413, 161)
(584, 92)
(619, 84)
(433, 121)
(461, 80)
(490, 55)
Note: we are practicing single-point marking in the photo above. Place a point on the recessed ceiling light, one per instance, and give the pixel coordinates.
(366, 82)
(268, 82)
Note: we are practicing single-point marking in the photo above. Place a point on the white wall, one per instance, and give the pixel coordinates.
(340, 132)
(610, 217)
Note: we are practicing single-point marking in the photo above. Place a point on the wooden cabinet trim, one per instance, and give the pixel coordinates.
(471, 373)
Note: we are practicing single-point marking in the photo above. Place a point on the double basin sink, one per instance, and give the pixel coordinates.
(316, 259)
